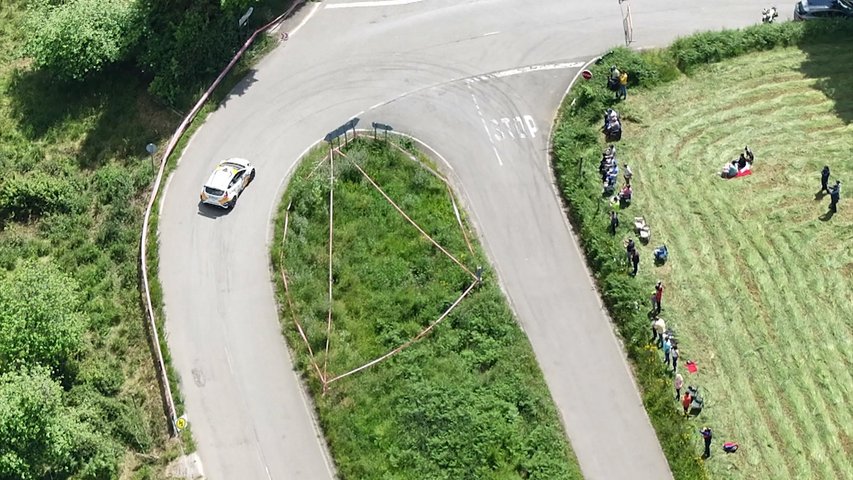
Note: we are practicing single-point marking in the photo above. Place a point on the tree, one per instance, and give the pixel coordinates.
(37, 434)
(40, 321)
(185, 43)
(75, 38)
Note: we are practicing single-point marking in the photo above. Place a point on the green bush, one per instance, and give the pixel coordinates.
(40, 320)
(23, 197)
(709, 47)
(185, 44)
(76, 38)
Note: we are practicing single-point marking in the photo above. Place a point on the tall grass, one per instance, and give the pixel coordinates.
(468, 401)
(758, 272)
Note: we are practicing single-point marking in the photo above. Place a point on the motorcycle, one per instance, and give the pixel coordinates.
(769, 14)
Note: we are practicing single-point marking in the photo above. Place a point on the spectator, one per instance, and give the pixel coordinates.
(707, 435)
(667, 346)
(824, 179)
(614, 222)
(685, 402)
(658, 329)
(623, 86)
(630, 248)
(635, 261)
(674, 354)
(628, 174)
(613, 80)
(679, 383)
(658, 295)
(834, 196)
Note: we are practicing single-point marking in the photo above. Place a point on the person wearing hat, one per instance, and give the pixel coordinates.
(834, 196)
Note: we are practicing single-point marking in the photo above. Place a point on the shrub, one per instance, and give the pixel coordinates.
(23, 197)
(185, 49)
(40, 321)
(76, 38)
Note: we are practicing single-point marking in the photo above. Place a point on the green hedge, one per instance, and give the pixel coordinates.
(576, 150)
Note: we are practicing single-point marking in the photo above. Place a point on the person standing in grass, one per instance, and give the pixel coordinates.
(628, 174)
(834, 196)
(674, 354)
(623, 86)
(635, 261)
(678, 383)
(707, 435)
(658, 296)
(685, 401)
(614, 222)
(630, 248)
(658, 329)
(824, 179)
(667, 346)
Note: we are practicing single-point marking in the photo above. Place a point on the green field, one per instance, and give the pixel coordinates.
(466, 402)
(759, 276)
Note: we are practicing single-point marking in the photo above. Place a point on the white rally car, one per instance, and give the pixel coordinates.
(227, 182)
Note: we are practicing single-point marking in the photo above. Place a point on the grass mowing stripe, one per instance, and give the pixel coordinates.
(784, 341)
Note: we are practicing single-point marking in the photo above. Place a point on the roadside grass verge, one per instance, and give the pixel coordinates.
(758, 275)
(466, 402)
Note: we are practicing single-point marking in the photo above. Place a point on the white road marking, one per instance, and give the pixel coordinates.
(305, 20)
(485, 126)
(261, 456)
(489, 34)
(514, 127)
(518, 71)
(531, 126)
(228, 359)
(377, 3)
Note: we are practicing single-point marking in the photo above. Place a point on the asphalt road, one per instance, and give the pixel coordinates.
(451, 73)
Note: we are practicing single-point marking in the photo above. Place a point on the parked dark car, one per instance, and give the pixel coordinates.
(814, 9)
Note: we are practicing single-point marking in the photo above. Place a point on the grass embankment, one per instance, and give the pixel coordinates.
(468, 401)
(85, 144)
(758, 277)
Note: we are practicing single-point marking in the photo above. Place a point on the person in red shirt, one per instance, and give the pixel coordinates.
(658, 296)
(685, 402)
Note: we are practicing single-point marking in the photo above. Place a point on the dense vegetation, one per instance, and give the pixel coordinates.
(758, 273)
(78, 397)
(179, 45)
(466, 402)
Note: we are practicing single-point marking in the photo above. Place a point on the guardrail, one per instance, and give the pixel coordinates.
(162, 375)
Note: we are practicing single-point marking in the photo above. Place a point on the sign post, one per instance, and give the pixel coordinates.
(151, 149)
(245, 18)
(381, 126)
(627, 22)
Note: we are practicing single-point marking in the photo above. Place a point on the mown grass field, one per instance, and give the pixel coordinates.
(759, 276)
(468, 401)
